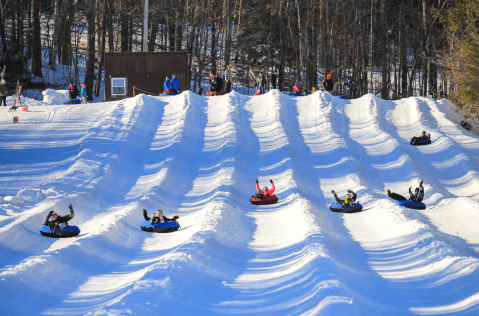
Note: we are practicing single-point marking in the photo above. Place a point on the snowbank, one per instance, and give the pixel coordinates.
(52, 97)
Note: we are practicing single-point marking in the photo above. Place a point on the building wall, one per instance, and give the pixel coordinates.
(146, 71)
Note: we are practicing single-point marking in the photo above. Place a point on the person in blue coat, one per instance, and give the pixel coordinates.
(175, 84)
(167, 85)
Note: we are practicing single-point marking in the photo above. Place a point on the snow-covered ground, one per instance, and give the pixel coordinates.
(197, 157)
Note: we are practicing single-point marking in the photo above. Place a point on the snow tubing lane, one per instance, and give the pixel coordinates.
(166, 227)
(421, 142)
(265, 200)
(338, 208)
(411, 204)
(72, 101)
(69, 231)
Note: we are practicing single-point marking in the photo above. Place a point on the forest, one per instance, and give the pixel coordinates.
(409, 46)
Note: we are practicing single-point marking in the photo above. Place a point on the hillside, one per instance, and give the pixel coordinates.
(197, 157)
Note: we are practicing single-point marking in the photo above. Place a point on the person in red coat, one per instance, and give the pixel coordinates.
(260, 193)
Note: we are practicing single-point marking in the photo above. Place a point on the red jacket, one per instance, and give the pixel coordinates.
(268, 192)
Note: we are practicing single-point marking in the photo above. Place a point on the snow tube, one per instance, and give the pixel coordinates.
(412, 204)
(421, 142)
(295, 94)
(68, 231)
(217, 93)
(265, 200)
(342, 97)
(72, 101)
(336, 207)
(166, 227)
(170, 93)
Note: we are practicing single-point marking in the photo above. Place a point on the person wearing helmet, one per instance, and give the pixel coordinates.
(73, 91)
(297, 88)
(56, 222)
(328, 83)
(158, 218)
(417, 196)
(83, 95)
(352, 90)
(167, 85)
(260, 193)
(423, 136)
(348, 199)
(175, 84)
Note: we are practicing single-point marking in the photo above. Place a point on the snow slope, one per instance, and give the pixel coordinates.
(197, 157)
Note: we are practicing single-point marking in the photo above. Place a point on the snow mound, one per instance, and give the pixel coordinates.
(51, 96)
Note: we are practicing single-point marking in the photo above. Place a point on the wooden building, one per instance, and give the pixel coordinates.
(145, 71)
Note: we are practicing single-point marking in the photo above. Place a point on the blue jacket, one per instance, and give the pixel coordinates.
(175, 84)
(167, 85)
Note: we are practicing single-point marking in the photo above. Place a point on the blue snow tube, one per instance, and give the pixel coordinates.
(336, 207)
(72, 101)
(296, 95)
(342, 97)
(69, 231)
(170, 93)
(166, 227)
(412, 204)
(420, 142)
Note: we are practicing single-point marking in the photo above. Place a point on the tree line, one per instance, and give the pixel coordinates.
(382, 44)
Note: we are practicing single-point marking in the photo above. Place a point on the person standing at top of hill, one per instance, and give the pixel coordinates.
(274, 79)
(328, 83)
(228, 79)
(73, 91)
(167, 85)
(260, 83)
(392, 95)
(352, 90)
(175, 84)
(3, 93)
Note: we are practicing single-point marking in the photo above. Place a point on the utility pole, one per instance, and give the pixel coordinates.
(145, 27)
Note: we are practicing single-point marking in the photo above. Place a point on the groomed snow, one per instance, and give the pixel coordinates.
(197, 157)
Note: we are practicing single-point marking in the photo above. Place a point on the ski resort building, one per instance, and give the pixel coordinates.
(142, 72)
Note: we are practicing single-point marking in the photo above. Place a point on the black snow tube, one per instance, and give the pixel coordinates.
(265, 200)
(338, 208)
(166, 227)
(420, 142)
(412, 204)
(69, 231)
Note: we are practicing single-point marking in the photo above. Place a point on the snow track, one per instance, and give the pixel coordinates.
(197, 157)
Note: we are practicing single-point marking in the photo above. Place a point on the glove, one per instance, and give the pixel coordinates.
(70, 207)
(176, 217)
(256, 180)
(332, 191)
(410, 189)
(50, 213)
(349, 191)
(271, 181)
(422, 182)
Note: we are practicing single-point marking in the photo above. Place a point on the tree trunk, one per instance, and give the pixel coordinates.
(102, 50)
(383, 35)
(2, 29)
(124, 29)
(37, 41)
(213, 48)
(90, 56)
(228, 33)
(57, 21)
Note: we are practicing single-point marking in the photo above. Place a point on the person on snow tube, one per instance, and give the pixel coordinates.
(352, 89)
(297, 89)
(348, 199)
(73, 91)
(213, 85)
(158, 218)
(423, 136)
(175, 84)
(417, 196)
(260, 193)
(167, 85)
(56, 222)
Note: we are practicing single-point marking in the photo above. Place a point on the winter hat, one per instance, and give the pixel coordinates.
(83, 85)
(167, 78)
(350, 80)
(54, 214)
(328, 76)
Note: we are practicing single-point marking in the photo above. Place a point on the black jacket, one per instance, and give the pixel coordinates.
(156, 219)
(59, 220)
(261, 82)
(73, 92)
(350, 202)
(417, 197)
(328, 84)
